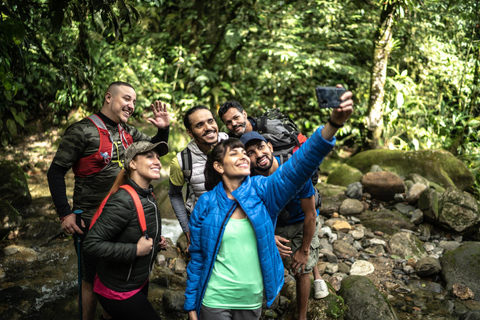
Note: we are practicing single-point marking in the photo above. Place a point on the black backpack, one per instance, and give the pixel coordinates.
(282, 132)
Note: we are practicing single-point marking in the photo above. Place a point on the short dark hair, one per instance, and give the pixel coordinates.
(227, 106)
(120, 83)
(217, 154)
(186, 118)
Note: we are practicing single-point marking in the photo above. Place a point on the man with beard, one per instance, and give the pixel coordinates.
(94, 149)
(189, 164)
(297, 224)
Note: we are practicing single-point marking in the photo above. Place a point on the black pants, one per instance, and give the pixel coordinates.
(133, 308)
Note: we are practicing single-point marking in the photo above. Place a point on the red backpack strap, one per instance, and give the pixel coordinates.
(301, 139)
(138, 206)
(99, 211)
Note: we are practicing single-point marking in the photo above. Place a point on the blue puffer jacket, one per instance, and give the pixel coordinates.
(262, 198)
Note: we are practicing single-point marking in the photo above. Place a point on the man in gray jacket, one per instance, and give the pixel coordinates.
(189, 164)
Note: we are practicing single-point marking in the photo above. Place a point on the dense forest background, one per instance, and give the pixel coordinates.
(413, 65)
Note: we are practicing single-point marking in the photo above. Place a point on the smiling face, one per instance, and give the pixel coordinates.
(145, 167)
(204, 129)
(119, 103)
(236, 164)
(236, 121)
(260, 154)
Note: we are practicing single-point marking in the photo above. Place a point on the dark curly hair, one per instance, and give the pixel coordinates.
(212, 176)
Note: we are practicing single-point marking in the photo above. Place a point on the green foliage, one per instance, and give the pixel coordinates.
(58, 56)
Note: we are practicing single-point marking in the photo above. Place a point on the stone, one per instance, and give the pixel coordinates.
(354, 191)
(341, 225)
(361, 268)
(331, 268)
(344, 175)
(336, 282)
(358, 233)
(385, 221)
(14, 185)
(343, 249)
(417, 217)
(364, 301)
(463, 292)
(173, 301)
(459, 212)
(406, 244)
(163, 201)
(180, 266)
(418, 179)
(161, 261)
(405, 208)
(429, 204)
(448, 245)
(413, 193)
(461, 266)
(351, 207)
(382, 185)
(343, 267)
(427, 266)
(449, 171)
(329, 255)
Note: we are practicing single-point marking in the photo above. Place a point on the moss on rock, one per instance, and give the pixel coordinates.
(439, 166)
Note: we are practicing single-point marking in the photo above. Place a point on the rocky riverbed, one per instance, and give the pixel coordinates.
(393, 246)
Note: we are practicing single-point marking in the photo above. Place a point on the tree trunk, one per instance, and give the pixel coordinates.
(383, 47)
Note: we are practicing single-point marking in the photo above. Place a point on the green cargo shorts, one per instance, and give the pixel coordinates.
(294, 233)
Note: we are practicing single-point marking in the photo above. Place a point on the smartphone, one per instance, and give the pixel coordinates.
(329, 97)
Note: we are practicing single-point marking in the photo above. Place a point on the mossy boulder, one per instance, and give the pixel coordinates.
(364, 301)
(459, 212)
(14, 185)
(439, 166)
(406, 244)
(461, 266)
(163, 201)
(330, 164)
(387, 221)
(344, 175)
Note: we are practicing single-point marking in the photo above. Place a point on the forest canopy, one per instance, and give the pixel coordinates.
(413, 65)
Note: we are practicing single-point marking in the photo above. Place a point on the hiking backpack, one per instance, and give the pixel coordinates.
(282, 132)
(138, 206)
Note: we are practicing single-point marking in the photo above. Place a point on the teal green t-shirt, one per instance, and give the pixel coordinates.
(236, 281)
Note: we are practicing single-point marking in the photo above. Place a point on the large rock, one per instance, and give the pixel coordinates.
(364, 301)
(461, 266)
(406, 244)
(163, 201)
(459, 211)
(14, 185)
(344, 175)
(382, 185)
(439, 166)
(386, 221)
(429, 204)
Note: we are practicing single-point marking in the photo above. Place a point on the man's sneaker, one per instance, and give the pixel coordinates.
(321, 289)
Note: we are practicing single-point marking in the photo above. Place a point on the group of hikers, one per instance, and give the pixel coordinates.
(246, 209)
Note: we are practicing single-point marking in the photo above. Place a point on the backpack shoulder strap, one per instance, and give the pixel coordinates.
(99, 211)
(138, 206)
(186, 156)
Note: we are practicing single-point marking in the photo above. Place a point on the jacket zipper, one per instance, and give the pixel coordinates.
(215, 254)
(156, 235)
(154, 239)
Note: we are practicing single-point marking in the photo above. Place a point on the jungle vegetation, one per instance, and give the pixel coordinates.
(413, 65)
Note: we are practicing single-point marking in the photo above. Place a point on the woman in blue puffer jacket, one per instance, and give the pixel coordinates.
(233, 253)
